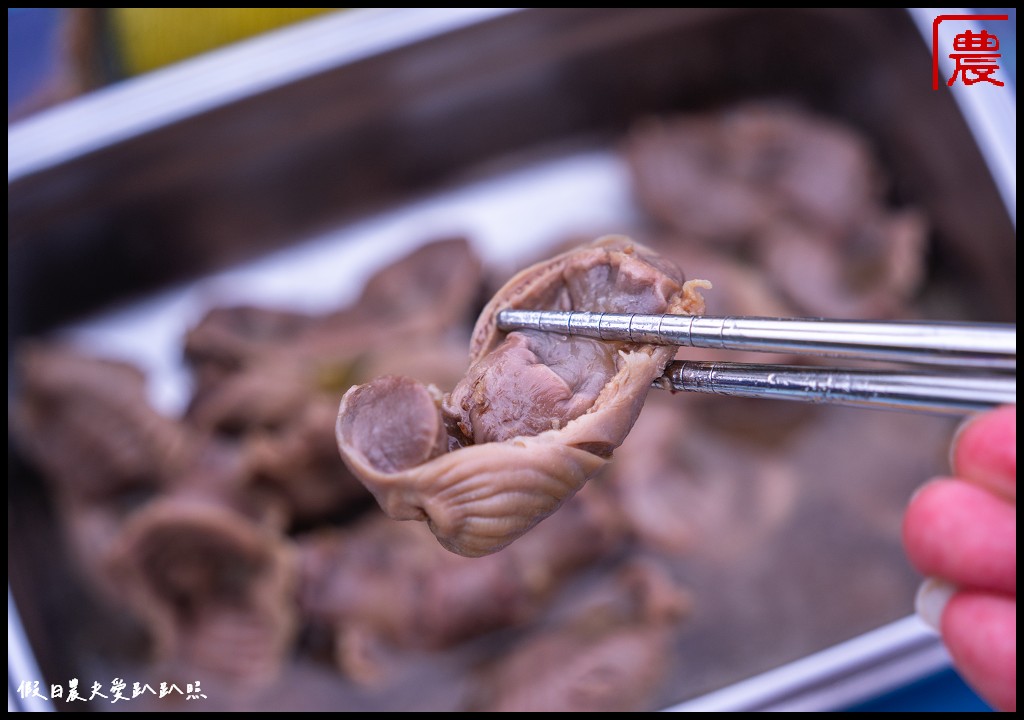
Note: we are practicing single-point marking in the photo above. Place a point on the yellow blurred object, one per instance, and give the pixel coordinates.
(148, 38)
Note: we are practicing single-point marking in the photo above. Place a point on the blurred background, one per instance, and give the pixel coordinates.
(56, 55)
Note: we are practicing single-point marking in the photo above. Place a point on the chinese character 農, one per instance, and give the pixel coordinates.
(976, 58)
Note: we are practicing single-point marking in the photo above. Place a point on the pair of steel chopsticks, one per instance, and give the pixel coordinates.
(973, 365)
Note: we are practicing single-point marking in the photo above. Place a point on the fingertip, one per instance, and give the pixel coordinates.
(961, 533)
(922, 531)
(980, 632)
(984, 451)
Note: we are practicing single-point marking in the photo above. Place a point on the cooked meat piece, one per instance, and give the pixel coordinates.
(799, 193)
(610, 657)
(440, 361)
(870, 271)
(300, 464)
(222, 474)
(235, 351)
(434, 286)
(228, 339)
(682, 175)
(816, 169)
(727, 177)
(537, 414)
(215, 591)
(87, 424)
(383, 584)
(679, 481)
(427, 292)
(264, 376)
(296, 457)
(264, 397)
(234, 335)
(740, 289)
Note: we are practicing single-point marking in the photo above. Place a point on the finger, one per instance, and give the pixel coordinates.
(959, 532)
(980, 631)
(985, 451)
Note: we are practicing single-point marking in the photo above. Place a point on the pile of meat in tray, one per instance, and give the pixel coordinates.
(248, 554)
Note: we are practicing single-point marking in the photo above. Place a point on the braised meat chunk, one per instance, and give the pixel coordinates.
(610, 657)
(271, 379)
(536, 415)
(214, 589)
(86, 423)
(381, 586)
(258, 368)
(802, 194)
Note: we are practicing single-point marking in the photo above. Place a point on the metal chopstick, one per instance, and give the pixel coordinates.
(944, 393)
(979, 346)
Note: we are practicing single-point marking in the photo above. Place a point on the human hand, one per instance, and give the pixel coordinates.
(961, 532)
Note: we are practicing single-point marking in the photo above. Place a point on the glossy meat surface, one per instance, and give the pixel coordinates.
(536, 415)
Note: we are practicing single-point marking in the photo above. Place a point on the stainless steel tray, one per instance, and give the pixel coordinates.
(354, 136)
